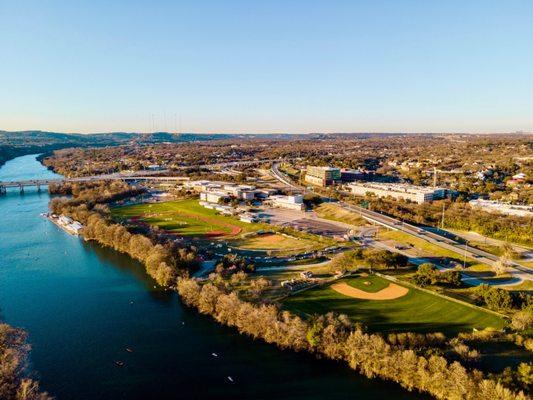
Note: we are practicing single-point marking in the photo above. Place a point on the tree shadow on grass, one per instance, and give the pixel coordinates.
(375, 318)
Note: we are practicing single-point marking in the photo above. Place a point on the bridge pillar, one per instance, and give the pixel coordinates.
(21, 188)
(38, 188)
(3, 189)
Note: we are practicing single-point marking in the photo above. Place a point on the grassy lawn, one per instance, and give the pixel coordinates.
(186, 218)
(433, 249)
(417, 311)
(526, 286)
(376, 283)
(274, 241)
(528, 264)
(335, 213)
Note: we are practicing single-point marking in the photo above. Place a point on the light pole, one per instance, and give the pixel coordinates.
(464, 257)
(442, 220)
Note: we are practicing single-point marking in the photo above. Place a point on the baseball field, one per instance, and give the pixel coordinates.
(388, 307)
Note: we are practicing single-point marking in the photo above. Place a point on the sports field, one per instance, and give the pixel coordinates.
(185, 218)
(416, 311)
(273, 241)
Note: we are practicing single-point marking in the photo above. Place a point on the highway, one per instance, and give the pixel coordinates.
(519, 272)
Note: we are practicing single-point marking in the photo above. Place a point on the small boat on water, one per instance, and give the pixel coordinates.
(214, 354)
(119, 363)
(230, 379)
(129, 350)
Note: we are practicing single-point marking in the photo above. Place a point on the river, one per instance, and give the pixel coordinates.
(83, 305)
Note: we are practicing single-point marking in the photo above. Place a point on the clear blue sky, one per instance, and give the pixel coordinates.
(266, 66)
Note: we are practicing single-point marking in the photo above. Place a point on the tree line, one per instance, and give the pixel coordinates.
(163, 261)
(92, 193)
(335, 338)
(15, 380)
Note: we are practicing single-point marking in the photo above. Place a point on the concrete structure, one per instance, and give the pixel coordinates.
(265, 193)
(247, 195)
(213, 197)
(322, 176)
(418, 194)
(503, 208)
(293, 202)
(245, 192)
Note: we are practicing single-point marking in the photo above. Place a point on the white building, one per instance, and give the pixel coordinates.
(294, 202)
(213, 197)
(247, 195)
(503, 208)
(199, 186)
(418, 194)
(245, 192)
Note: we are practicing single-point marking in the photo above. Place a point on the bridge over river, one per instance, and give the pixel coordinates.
(110, 177)
(129, 177)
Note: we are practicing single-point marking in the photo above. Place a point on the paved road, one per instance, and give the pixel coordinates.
(138, 175)
(518, 272)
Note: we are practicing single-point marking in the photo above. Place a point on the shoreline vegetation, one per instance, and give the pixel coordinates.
(334, 337)
(415, 366)
(16, 382)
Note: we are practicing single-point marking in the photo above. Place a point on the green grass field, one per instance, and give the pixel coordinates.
(334, 212)
(185, 218)
(376, 283)
(433, 249)
(273, 241)
(417, 311)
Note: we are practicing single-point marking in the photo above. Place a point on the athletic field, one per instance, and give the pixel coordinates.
(185, 218)
(416, 311)
(275, 241)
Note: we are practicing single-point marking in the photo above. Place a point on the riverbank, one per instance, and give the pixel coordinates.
(96, 302)
(337, 339)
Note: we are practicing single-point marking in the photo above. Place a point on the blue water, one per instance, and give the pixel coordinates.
(75, 301)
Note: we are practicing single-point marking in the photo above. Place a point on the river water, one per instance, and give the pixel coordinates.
(83, 305)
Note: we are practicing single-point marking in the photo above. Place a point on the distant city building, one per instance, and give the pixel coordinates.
(155, 167)
(351, 175)
(503, 208)
(322, 176)
(417, 194)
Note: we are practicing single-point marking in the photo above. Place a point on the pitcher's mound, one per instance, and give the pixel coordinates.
(391, 292)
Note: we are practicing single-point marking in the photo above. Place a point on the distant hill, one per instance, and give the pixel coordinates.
(14, 144)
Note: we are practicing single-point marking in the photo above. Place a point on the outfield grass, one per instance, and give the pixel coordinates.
(376, 283)
(186, 218)
(417, 311)
(274, 241)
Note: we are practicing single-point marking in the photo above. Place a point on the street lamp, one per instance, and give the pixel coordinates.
(464, 257)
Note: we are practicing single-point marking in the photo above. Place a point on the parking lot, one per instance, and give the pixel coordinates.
(305, 221)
